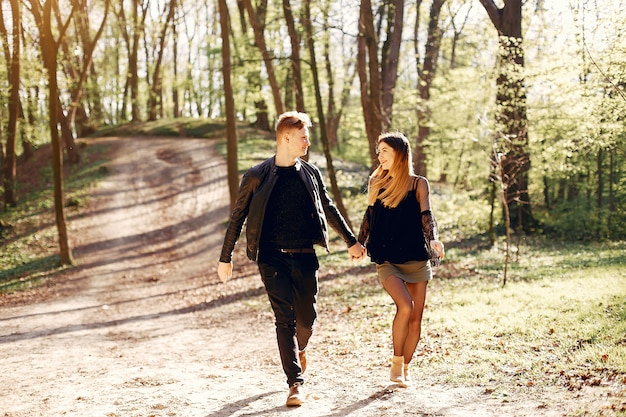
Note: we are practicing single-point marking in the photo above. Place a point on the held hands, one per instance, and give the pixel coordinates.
(438, 248)
(356, 251)
(225, 271)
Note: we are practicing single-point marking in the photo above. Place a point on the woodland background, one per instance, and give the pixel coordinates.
(516, 105)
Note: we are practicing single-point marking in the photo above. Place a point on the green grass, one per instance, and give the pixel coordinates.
(560, 324)
(29, 254)
(189, 127)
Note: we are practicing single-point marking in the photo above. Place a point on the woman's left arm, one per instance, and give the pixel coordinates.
(429, 222)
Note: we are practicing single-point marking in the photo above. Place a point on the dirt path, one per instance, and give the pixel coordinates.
(142, 327)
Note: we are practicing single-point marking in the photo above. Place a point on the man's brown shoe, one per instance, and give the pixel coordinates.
(295, 397)
(302, 355)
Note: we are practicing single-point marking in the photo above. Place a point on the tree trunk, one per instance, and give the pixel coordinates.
(335, 112)
(390, 59)
(133, 68)
(78, 112)
(49, 49)
(67, 136)
(254, 78)
(175, 93)
(320, 114)
(424, 84)
(13, 63)
(31, 120)
(612, 178)
(262, 121)
(511, 118)
(265, 53)
(77, 70)
(600, 188)
(231, 123)
(332, 113)
(295, 56)
(370, 81)
(155, 102)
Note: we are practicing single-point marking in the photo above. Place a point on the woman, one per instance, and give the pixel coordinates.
(401, 237)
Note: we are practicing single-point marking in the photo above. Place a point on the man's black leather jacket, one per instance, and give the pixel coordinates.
(255, 189)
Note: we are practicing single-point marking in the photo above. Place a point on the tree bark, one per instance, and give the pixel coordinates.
(294, 37)
(600, 185)
(370, 82)
(155, 100)
(511, 118)
(231, 123)
(424, 84)
(133, 56)
(77, 111)
(265, 53)
(390, 59)
(49, 49)
(13, 63)
(175, 93)
(320, 114)
(332, 113)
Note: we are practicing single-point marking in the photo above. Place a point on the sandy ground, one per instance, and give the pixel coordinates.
(143, 328)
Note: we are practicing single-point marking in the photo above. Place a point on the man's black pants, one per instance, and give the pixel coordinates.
(291, 283)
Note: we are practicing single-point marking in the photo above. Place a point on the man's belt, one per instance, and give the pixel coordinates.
(297, 250)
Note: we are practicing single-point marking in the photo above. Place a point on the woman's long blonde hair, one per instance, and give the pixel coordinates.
(396, 181)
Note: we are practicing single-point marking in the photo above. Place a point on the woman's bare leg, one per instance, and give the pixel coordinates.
(417, 293)
(398, 291)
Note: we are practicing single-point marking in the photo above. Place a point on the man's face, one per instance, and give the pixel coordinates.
(298, 142)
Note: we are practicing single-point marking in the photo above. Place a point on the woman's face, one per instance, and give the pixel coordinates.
(386, 155)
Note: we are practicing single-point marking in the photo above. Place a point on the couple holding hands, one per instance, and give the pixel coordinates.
(288, 211)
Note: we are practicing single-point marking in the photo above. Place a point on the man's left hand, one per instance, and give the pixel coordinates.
(356, 251)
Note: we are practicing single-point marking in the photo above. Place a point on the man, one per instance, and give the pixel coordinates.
(288, 210)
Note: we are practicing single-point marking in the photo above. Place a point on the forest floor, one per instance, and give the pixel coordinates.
(142, 326)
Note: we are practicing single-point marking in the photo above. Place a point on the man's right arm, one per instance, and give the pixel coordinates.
(235, 224)
(225, 271)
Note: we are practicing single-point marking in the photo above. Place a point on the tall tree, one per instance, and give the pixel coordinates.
(378, 76)
(49, 51)
(426, 75)
(12, 58)
(156, 88)
(370, 80)
(77, 68)
(335, 110)
(131, 32)
(231, 123)
(511, 117)
(390, 57)
(77, 113)
(254, 77)
(320, 112)
(268, 57)
(294, 37)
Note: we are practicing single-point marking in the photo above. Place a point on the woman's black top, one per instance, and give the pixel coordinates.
(396, 234)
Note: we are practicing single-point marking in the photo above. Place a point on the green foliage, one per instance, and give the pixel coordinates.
(457, 225)
(569, 221)
(573, 59)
